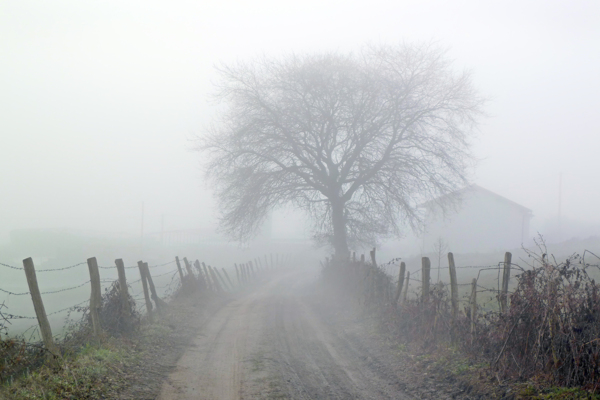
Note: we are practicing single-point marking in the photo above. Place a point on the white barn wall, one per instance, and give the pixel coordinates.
(484, 222)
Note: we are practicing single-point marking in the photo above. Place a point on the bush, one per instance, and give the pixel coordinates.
(550, 331)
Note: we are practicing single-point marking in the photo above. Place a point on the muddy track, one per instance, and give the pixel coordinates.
(280, 342)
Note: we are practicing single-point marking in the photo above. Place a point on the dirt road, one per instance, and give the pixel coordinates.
(280, 342)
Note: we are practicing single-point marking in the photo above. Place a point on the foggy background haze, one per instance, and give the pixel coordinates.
(99, 101)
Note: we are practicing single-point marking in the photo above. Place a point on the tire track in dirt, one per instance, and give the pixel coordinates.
(274, 343)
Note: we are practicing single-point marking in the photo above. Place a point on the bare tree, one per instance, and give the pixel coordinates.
(356, 140)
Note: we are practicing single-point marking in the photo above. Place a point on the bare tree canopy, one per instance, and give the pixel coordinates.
(356, 140)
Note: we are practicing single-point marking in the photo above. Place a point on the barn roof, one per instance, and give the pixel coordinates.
(476, 188)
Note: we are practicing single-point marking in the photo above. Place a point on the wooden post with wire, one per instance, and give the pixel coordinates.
(425, 276)
(96, 295)
(406, 287)
(505, 279)
(160, 303)
(373, 258)
(400, 282)
(216, 282)
(237, 274)
(201, 278)
(473, 302)
(221, 280)
(453, 295)
(209, 279)
(38, 306)
(228, 280)
(123, 290)
(453, 287)
(145, 287)
(179, 269)
(188, 268)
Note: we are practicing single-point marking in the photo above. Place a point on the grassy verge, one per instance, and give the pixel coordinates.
(127, 367)
(95, 371)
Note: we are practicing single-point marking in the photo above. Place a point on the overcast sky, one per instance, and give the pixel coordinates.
(99, 98)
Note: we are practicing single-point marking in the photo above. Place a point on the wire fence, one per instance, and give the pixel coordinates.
(7, 317)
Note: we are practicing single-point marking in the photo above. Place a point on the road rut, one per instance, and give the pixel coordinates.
(280, 342)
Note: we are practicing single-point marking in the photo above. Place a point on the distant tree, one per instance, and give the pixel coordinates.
(356, 140)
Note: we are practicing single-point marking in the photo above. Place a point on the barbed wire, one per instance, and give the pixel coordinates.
(46, 292)
(162, 265)
(166, 273)
(11, 267)
(69, 308)
(12, 293)
(15, 316)
(66, 289)
(115, 267)
(60, 269)
(135, 266)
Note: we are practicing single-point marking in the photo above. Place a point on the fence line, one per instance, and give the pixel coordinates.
(213, 278)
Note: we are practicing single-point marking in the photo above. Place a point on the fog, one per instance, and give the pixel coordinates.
(99, 102)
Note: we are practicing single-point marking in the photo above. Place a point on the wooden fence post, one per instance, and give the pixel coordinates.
(252, 268)
(453, 287)
(373, 258)
(400, 282)
(473, 304)
(262, 268)
(160, 303)
(215, 279)
(228, 280)
(505, 279)
(188, 268)
(145, 287)
(209, 281)
(242, 278)
(123, 290)
(237, 274)
(96, 295)
(38, 306)
(362, 258)
(221, 280)
(179, 269)
(425, 274)
(406, 287)
(201, 278)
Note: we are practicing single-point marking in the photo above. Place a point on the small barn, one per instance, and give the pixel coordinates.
(481, 221)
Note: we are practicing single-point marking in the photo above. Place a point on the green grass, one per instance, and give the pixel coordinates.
(95, 371)
(556, 394)
(90, 373)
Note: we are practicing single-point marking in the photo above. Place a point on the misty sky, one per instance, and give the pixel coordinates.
(98, 99)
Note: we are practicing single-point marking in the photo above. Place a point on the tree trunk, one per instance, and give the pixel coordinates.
(338, 220)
